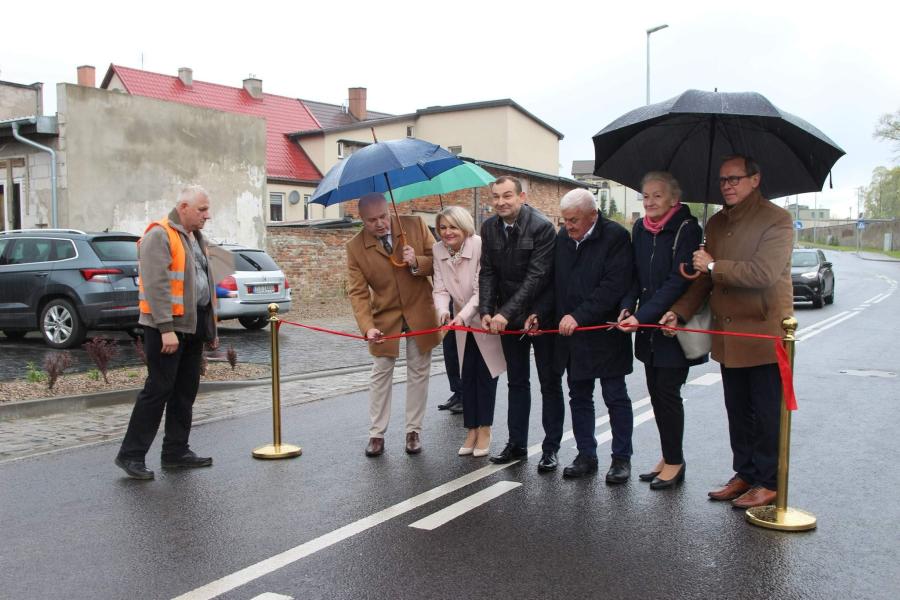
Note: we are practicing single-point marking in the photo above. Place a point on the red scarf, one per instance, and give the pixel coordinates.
(656, 227)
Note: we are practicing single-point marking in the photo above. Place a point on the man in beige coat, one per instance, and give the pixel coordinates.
(386, 300)
(746, 277)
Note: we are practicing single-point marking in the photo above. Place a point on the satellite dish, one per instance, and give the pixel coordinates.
(294, 197)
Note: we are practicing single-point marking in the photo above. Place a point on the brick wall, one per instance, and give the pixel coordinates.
(314, 260)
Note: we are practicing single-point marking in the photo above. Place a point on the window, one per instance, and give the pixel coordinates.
(306, 206)
(455, 150)
(340, 149)
(115, 248)
(604, 195)
(30, 250)
(276, 209)
(253, 260)
(410, 131)
(3, 244)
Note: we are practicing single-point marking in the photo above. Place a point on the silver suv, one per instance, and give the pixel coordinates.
(257, 282)
(63, 282)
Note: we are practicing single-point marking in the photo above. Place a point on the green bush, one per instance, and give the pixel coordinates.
(33, 374)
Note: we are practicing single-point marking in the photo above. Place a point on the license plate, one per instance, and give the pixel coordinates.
(262, 289)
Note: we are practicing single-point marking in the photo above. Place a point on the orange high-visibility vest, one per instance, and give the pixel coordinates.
(175, 271)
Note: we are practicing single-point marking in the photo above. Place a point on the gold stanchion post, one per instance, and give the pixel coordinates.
(780, 516)
(276, 449)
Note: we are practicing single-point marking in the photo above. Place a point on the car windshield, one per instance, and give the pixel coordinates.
(804, 259)
(115, 249)
(253, 260)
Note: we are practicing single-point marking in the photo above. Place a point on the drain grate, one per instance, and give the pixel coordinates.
(868, 373)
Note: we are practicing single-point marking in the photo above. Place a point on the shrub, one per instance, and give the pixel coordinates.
(231, 355)
(204, 365)
(139, 350)
(54, 364)
(93, 375)
(102, 351)
(33, 374)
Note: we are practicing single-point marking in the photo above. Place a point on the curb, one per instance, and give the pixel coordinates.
(44, 407)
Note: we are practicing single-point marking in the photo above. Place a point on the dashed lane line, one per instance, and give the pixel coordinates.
(283, 559)
(457, 509)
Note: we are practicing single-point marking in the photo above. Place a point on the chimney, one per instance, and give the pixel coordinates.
(87, 76)
(358, 103)
(186, 75)
(253, 85)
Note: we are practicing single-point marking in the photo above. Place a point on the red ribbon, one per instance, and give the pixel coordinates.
(784, 363)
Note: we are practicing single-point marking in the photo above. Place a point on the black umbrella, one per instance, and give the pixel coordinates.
(689, 134)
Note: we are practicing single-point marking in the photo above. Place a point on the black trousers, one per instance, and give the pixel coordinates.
(518, 372)
(451, 362)
(479, 388)
(664, 385)
(753, 403)
(171, 386)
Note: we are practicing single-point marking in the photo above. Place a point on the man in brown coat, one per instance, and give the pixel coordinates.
(747, 280)
(387, 300)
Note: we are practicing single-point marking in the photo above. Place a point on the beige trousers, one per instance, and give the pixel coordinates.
(418, 370)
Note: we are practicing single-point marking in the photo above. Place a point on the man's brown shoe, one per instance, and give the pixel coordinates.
(757, 496)
(413, 445)
(734, 488)
(375, 447)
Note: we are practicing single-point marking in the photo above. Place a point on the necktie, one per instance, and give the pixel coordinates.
(387, 245)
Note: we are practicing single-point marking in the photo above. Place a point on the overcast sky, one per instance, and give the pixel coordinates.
(576, 65)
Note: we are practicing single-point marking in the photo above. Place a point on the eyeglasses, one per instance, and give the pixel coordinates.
(733, 180)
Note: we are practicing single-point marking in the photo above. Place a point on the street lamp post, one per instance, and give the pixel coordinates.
(649, 31)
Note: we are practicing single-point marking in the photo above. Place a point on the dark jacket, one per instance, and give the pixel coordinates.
(657, 284)
(516, 272)
(589, 284)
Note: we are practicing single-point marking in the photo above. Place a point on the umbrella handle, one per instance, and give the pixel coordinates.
(401, 239)
(683, 271)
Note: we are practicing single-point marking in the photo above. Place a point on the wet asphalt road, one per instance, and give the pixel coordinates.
(74, 528)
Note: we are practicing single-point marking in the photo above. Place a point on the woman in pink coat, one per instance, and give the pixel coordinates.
(457, 261)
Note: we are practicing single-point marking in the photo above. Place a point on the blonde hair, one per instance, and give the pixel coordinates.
(458, 216)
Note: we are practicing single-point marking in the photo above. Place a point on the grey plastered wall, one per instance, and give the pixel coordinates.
(19, 100)
(128, 156)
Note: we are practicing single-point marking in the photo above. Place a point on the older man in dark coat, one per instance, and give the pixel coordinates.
(593, 266)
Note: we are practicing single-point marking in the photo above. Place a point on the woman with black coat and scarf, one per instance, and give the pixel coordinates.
(666, 237)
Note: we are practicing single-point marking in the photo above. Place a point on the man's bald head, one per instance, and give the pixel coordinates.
(373, 211)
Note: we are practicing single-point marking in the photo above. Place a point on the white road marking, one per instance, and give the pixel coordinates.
(570, 435)
(445, 515)
(873, 298)
(806, 336)
(883, 297)
(264, 567)
(706, 379)
(271, 564)
(271, 596)
(822, 323)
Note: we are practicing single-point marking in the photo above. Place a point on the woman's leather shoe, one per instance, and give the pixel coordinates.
(648, 476)
(662, 484)
(464, 451)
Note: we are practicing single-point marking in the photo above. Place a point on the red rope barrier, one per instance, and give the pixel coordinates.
(784, 364)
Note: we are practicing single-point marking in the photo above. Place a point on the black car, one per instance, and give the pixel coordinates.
(63, 282)
(812, 277)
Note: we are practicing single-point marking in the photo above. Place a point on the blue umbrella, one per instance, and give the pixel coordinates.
(381, 167)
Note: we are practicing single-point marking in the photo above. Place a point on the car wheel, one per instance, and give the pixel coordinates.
(829, 299)
(253, 322)
(818, 301)
(14, 334)
(60, 324)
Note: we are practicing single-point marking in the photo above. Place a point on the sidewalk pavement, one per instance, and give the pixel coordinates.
(24, 437)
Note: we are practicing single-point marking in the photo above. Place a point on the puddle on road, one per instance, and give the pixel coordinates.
(868, 373)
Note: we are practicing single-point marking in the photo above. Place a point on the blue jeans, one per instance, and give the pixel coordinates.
(518, 372)
(621, 419)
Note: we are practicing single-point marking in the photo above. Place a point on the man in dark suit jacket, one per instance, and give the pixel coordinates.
(592, 272)
(516, 271)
